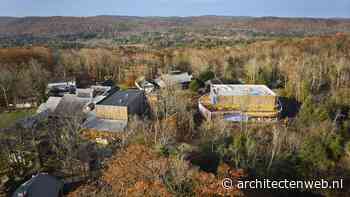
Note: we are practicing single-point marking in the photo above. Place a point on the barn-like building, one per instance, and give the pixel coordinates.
(122, 105)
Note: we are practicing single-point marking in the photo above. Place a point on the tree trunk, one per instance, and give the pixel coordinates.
(5, 96)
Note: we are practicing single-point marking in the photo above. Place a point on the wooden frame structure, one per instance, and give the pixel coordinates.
(240, 102)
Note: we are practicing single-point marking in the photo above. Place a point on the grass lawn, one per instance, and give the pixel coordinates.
(8, 118)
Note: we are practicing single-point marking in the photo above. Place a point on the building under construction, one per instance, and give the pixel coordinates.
(240, 103)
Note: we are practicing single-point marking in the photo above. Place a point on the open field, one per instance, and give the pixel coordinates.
(9, 118)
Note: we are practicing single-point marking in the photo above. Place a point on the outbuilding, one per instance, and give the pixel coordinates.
(123, 104)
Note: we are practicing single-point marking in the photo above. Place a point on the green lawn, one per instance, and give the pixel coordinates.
(8, 118)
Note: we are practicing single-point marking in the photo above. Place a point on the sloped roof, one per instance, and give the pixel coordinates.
(178, 77)
(70, 105)
(85, 92)
(105, 125)
(122, 98)
(174, 77)
(41, 185)
(50, 104)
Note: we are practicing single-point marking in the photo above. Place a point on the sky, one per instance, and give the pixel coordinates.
(282, 8)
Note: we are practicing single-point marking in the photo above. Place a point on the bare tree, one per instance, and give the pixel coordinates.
(6, 82)
(69, 147)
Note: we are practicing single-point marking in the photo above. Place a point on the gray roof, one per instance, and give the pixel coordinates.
(122, 98)
(70, 105)
(50, 104)
(105, 125)
(178, 77)
(173, 78)
(41, 185)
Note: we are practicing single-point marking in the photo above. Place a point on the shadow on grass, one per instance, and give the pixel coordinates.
(290, 106)
(207, 162)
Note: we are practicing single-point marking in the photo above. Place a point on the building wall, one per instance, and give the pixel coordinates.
(249, 103)
(112, 112)
(138, 106)
(204, 111)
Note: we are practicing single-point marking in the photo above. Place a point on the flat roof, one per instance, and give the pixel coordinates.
(63, 83)
(241, 90)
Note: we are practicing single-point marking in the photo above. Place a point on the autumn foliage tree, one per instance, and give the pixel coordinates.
(140, 171)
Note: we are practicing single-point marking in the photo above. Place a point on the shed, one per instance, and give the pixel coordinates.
(173, 78)
(120, 105)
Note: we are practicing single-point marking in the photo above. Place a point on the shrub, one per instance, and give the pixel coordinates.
(335, 147)
(207, 75)
(195, 85)
(313, 156)
(311, 112)
(319, 154)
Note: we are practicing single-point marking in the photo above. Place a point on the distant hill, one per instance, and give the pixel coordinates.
(122, 25)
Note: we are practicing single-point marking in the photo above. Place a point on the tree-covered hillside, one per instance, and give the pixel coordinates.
(176, 152)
